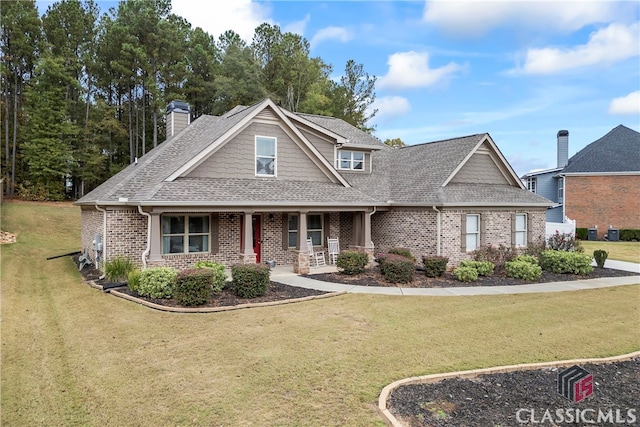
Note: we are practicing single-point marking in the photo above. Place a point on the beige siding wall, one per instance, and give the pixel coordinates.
(325, 147)
(480, 168)
(177, 122)
(236, 159)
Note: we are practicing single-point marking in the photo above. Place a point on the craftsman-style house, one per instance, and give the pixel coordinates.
(254, 184)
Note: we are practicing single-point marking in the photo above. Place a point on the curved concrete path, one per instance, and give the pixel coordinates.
(285, 275)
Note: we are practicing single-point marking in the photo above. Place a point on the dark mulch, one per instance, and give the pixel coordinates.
(495, 399)
(373, 277)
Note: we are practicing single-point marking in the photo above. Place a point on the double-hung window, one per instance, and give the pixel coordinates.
(265, 156)
(472, 232)
(350, 160)
(185, 234)
(520, 229)
(531, 184)
(314, 229)
(293, 230)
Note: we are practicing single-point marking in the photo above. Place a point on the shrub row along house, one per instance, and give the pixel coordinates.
(254, 184)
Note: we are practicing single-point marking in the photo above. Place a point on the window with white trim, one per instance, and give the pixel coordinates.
(560, 189)
(185, 234)
(521, 230)
(266, 156)
(473, 232)
(350, 160)
(531, 184)
(315, 229)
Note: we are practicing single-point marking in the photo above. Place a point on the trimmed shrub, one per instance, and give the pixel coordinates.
(600, 256)
(117, 269)
(484, 268)
(157, 282)
(193, 286)
(219, 279)
(630, 235)
(527, 258)
(497, 255)
(535, 249)
(403, 252)
(396, 268)
(352, 262)
(133, 280)
(565, 262)
(434, 266)
(524, 270)
(466, 274)
(561, 242)
(250, 280)
(583, 233)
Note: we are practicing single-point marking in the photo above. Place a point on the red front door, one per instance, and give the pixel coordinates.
(255, 220)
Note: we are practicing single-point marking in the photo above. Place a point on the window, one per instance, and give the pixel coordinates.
(472, 232)
(184, 234)
(314, 229)
(531, 184)
(350, 160)
(520, 229)
(265, 156)
(560, 189)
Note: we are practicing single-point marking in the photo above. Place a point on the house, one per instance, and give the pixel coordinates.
(598, 187)
(253, 184)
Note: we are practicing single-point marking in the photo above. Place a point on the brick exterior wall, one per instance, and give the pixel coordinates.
(126, 235)
(91, 223)
(603, 201)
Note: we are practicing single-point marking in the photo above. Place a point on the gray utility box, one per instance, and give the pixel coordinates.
(613, 234)
(593, 234)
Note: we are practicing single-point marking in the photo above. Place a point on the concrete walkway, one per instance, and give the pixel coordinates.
(284, 274)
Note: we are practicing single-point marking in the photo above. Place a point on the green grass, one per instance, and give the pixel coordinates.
(72, 355)
(620, 251)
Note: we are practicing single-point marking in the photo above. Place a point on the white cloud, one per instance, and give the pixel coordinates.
(629, 104)
(331, 33)
(476, 17)
(390, 106)
(241, 16)
(614, 43)
(297, 27)
(411, 69)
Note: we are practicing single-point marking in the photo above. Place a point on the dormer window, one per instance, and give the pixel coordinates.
(265, 156)
(350, 160)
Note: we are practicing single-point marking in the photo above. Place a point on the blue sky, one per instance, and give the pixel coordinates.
(517, 70)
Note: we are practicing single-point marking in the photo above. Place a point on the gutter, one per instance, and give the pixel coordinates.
(146, 251)
(104, 236)
(438, 228)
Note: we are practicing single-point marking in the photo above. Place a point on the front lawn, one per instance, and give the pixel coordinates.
(620, 251)
(72, 355)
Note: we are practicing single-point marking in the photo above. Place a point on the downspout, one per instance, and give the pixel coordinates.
(438, 229)
(145, 253)
(370, 217)
(104, 236)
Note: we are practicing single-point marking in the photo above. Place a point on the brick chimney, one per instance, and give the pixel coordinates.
(178, 117)
(563, 148)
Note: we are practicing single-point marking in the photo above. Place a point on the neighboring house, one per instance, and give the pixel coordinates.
(598, 187)
(253, 184)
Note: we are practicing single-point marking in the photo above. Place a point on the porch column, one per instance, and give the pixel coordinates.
(247, 256)
(155, 245)
(301, 255)
(368, 244)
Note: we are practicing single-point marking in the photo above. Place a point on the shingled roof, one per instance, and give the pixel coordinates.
(617, 151)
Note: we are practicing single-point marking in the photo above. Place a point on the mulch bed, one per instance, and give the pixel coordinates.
(508, 399)
(373, 277)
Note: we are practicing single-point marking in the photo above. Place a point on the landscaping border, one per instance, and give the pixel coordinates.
(434, 378)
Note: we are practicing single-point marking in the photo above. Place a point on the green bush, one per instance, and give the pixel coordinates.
(117, 269)
(219, 276)
(527, 258)
(352, 262)
(250, 280)
(534, 249)
(521, 269)
(484, 268)
(193, 286)
(403, 252)
(565, 262)
(133, 280)
(562, 242)
(583, 233)
(630, 235)
(157, 282)
(466, 274)
(600, 256)
(396, 268)
(434, 266)
(497, 255)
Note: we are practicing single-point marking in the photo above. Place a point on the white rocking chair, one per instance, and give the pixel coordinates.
(333, 249)
(318, 257)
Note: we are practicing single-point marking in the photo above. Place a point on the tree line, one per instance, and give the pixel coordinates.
(83, 92)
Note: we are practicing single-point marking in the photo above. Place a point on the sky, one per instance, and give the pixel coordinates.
(517, 70)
